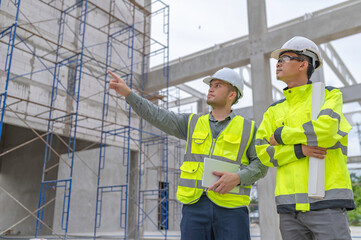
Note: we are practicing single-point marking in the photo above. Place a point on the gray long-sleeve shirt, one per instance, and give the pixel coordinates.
(177, 125)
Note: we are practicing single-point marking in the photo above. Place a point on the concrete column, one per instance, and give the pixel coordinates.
(202, 106)
(262, 98)
(133, 193)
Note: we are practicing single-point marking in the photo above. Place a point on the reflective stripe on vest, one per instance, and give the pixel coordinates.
(294, 116)
(271, 153)
(303, 197)
(342, 147)
(191, 183)
(310, 132)
(333, 114)
(232, 142)
(248, 127)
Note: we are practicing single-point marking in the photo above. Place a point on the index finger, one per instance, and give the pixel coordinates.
(113, 74)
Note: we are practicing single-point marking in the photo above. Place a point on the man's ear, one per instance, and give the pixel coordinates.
(303, 66)
(232, 94)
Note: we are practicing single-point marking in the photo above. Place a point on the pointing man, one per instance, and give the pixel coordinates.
(213, 213)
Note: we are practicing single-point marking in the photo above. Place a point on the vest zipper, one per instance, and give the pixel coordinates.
(215, 139)
(212, 146)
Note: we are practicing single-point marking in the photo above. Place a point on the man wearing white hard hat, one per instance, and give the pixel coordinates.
(287, 138)
(216, 212)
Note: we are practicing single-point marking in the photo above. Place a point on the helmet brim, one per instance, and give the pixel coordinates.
(276, 54)
(208, 80)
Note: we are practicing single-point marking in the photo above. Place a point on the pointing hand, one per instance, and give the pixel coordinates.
(118, 84)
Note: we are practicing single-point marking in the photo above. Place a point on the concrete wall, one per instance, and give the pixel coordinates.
(29, 95)
(33, 83)
(20, 176)
(155, 174)
(83, 198)
(84, 190)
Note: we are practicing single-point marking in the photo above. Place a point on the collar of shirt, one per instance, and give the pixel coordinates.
(308, 82)
(229, 117)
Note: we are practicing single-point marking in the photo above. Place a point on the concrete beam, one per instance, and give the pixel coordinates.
(182, 102)
(354, 159)
(337, 65)
(337, 22)
(351, 93)
(200, 66)
(192, 91)
(350, 117)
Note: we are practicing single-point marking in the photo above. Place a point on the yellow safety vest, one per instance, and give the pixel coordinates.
(290, 121)
(230, 146)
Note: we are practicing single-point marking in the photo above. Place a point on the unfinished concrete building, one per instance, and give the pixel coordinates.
(75, 161)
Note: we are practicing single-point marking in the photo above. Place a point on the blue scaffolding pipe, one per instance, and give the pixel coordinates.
(124, 130)
(26, 74)
(66, 184)
(74, 94)
(6, 31)
(129, 30)
(164, 193)
(127, 149)
(145, 138)
(8, 62)
(123, 198)
(27, 46)
(146, 215)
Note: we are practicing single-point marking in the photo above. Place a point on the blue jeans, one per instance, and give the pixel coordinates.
(204, 220)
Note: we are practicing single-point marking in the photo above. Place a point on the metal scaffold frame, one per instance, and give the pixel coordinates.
(57, 118)
(141, 137)
(74, 92)
(162, 193)
(11, 32)
(128, 32)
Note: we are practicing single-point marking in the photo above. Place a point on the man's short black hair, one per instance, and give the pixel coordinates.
(232, 88)
(310, 68)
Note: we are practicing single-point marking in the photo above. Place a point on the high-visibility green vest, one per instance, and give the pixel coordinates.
(230, 146)
(289, 120)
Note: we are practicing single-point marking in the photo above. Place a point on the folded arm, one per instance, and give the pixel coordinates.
(329, 127)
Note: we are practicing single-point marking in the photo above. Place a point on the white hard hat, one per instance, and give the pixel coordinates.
(230, 76)
(302, 46)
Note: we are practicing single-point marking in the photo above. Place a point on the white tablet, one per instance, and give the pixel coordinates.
(211, 165)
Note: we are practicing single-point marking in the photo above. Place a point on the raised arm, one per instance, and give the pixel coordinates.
(167, 121)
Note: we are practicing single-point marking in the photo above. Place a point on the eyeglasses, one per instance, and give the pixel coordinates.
(287, 59)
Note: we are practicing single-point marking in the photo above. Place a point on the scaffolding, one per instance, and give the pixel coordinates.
(10, 33)
(73, 65)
